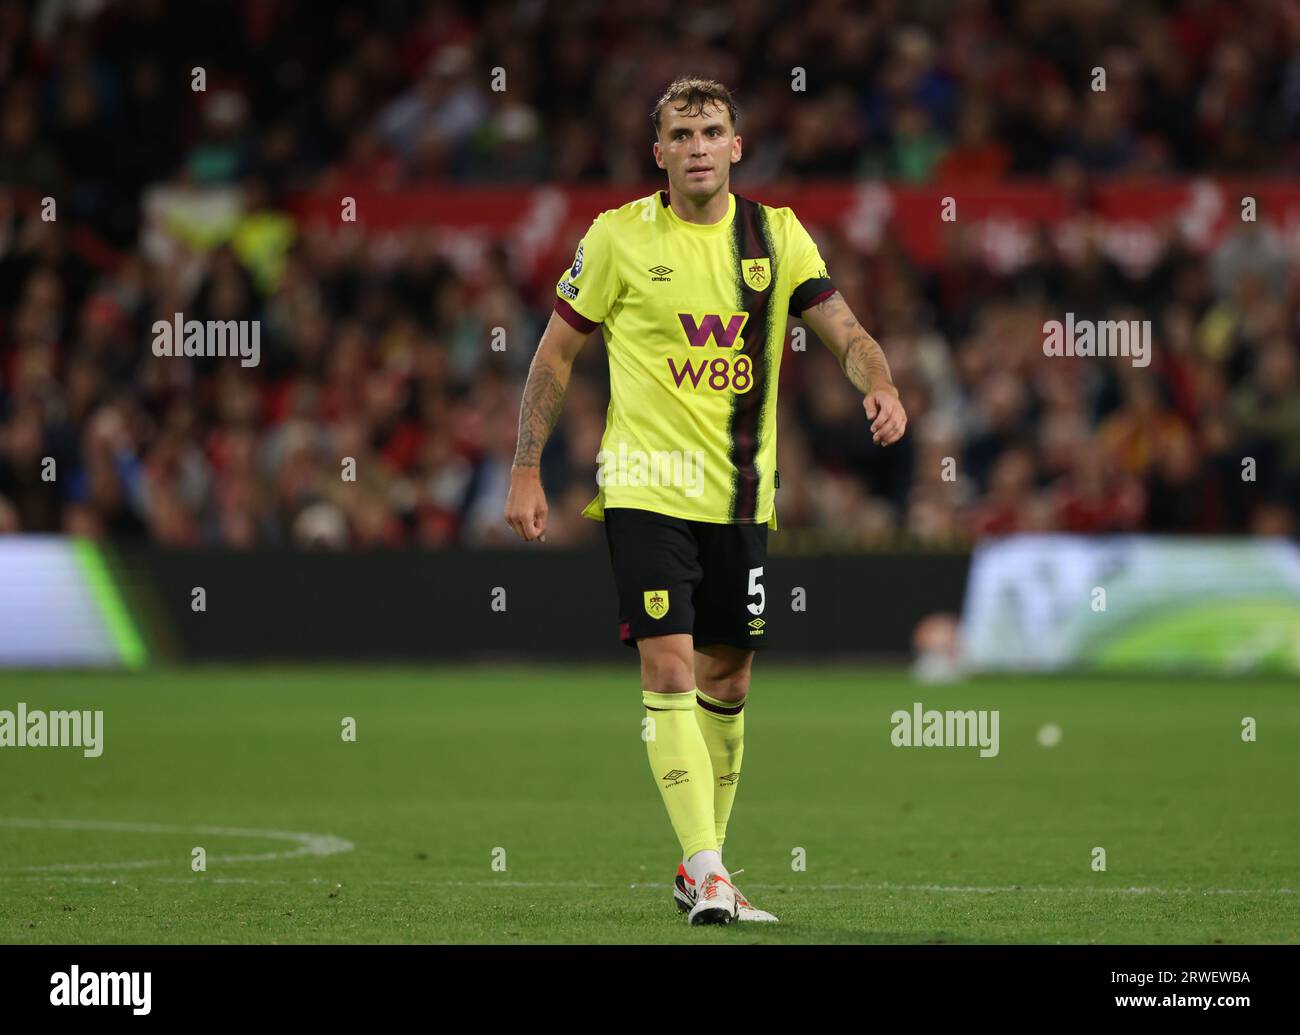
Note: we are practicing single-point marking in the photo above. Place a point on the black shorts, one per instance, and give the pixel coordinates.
(697, 577)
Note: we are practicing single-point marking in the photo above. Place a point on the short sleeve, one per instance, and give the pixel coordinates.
(589, 288)
(811, 280)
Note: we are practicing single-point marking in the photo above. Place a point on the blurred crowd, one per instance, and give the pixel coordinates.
(98, 98)
(382, 355)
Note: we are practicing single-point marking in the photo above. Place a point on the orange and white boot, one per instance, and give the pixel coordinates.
(685, 898)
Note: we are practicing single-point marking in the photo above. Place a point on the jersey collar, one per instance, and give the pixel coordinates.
(702, 228)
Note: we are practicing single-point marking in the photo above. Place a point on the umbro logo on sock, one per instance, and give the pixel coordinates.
(729, 778)
(674, 776)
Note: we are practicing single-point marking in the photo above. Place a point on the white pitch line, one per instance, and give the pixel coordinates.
(958, 889)
(938, 888)
(1034, 889)
(68, 878)
(308, 844)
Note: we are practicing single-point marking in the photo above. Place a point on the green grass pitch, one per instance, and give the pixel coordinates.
(1201, 830)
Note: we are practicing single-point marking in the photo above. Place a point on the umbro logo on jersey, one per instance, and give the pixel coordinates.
(660, 272)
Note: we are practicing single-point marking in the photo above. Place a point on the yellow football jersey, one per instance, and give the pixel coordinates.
(694, 324)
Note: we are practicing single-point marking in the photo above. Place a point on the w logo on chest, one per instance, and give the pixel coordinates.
(711, 326)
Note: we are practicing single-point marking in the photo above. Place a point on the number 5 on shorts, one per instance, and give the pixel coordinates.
(756, 589)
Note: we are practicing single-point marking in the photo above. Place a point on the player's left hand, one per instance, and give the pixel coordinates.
(888, 419)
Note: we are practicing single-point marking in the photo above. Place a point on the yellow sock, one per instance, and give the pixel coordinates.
(680, 762)
(723, 725)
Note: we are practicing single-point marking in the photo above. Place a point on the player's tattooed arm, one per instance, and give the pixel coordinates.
(864, 364)
(540, 410)
(860, 355)
(548, 380)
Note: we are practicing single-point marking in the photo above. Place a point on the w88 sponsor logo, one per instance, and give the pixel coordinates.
(722, 373)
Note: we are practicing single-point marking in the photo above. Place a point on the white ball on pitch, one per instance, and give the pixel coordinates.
(1050, 735)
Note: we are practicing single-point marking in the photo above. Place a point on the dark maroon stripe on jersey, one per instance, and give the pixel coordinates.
(751, 240)
(811, 293)
(574, 318)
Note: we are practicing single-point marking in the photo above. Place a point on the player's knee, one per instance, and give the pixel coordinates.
(667, 674)
(728, 686)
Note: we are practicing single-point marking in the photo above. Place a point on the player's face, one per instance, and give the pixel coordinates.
(697, 151)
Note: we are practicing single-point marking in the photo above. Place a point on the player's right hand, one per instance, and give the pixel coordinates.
(526, 504)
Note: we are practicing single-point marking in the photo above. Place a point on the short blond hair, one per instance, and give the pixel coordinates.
(691, 95)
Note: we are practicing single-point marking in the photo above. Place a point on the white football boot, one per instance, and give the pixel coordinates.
(684, 897)
(715, 903)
